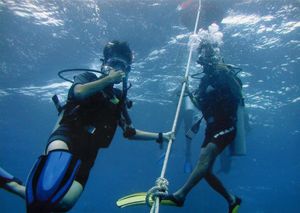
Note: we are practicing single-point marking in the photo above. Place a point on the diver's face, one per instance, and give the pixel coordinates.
(208, 58)
(116, 64)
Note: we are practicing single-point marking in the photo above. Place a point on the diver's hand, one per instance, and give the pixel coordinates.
(116, 76)
(168, 136)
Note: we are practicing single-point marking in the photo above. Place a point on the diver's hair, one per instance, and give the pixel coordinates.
(207, 46)
(117, 49)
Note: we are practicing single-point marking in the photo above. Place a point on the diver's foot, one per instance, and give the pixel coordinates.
(171, 199)
(234, 207)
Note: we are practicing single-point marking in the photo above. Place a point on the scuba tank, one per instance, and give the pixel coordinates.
(238, 145)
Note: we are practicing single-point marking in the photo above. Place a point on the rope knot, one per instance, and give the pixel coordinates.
(162, 184)
(161, 187)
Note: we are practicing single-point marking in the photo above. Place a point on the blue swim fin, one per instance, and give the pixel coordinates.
(49, 180)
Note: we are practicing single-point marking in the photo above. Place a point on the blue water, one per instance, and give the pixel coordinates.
(38, 38)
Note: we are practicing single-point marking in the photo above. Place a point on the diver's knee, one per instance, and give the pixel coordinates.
(71, 197)
(203, 164)
(206, 160)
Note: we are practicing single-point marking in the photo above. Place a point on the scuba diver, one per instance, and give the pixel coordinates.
(212, 11)
(87, 123)
(218, 97)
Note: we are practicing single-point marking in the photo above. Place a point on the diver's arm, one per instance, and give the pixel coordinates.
(83, 91)
(131, 133)
(146, 136)
(134, 134)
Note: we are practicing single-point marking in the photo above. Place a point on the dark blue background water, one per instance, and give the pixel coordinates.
(38, 38)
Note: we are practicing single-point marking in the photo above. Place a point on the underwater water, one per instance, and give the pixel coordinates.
(39, 38)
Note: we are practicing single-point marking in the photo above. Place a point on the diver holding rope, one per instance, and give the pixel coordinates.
(87, 123)
(218, 97)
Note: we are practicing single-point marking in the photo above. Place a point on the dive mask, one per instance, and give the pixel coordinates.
(117, 64)
(208, 61)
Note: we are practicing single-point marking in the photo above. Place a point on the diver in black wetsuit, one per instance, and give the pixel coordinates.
(88, 123)
(218, 97)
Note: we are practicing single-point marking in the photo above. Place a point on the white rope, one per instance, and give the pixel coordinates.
(155, 206)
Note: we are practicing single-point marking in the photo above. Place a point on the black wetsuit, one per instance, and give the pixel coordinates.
(218, 97)
(90, 124)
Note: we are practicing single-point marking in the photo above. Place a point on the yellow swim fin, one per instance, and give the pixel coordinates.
(132, 200)
(235, 207)
(139, 199)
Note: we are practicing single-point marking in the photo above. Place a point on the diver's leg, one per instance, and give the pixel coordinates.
(70, 198)
(207, 157)
(15, 186)
(225, 161)
(73, 194)
(62, 191)
(233, 201)
(11, 184)
(217, 185)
